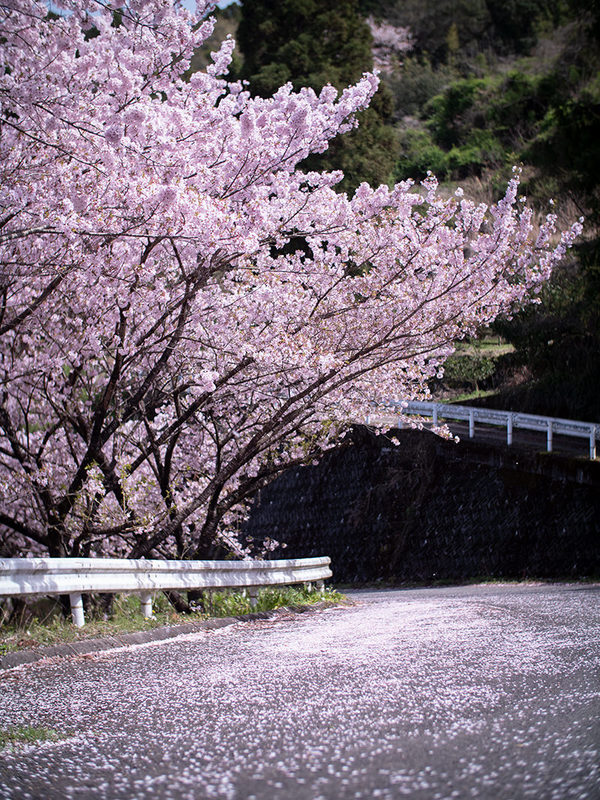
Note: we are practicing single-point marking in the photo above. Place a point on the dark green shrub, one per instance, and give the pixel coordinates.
(446, 112)
(468, 370)
(415, 84)
(418, 155)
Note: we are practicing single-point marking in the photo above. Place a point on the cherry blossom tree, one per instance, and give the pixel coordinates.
(183, 312)
(390, 42)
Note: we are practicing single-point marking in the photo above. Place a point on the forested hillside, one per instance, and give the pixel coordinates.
(469, 89)
(514, 83)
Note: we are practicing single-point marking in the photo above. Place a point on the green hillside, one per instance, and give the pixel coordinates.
(530, 96)
(482, 85)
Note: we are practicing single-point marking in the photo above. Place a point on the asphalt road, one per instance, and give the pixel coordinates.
(472, 692)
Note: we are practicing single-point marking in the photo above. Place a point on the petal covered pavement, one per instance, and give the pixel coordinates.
(489, 691)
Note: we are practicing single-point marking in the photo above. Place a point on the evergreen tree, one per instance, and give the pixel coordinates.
(310, 43)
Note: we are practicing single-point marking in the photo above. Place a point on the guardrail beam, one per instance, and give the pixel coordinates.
(30, 577)
(489, 416)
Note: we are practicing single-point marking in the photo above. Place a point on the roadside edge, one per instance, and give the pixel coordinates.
(20, 657)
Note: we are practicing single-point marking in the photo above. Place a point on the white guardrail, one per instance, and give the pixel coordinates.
(489, 416)
(27, 577)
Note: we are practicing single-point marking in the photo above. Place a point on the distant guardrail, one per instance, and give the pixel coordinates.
(27, 577)
(488, 416)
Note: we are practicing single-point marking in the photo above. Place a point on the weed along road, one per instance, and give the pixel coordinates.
(487, 692)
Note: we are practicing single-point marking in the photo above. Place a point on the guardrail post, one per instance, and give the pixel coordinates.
(253, 595)
(77, 610)
(146, 604)
(512, 420)
(549, 437)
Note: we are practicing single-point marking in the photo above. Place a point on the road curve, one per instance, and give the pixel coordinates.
(470, 692)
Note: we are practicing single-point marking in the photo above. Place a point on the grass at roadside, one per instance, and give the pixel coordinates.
(465, 397)
(53, 628)
(26, 734)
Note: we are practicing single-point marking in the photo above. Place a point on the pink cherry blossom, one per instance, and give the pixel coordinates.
(183, 310)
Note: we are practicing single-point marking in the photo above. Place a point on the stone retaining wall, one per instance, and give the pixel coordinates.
(435, 510)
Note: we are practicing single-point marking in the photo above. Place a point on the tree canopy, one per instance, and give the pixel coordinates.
(184, 312)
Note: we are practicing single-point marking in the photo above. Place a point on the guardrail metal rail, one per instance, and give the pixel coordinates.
(28, 577)
(489, 416)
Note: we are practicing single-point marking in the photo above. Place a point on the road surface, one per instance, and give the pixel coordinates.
(468, 692)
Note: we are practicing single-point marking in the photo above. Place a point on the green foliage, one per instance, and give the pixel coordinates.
(516, 22)
(502, 26)
(447, 112)
(416, 83)
(50, 627)
(310, 43)
(439, 24)
(468, 370)
(568, 149)
(517, 108)
(418, 155)
(497, 115)
(26, 734)
(482, 148)
(227, 604)
(559, 342)
(316, 43)
(478, 125)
